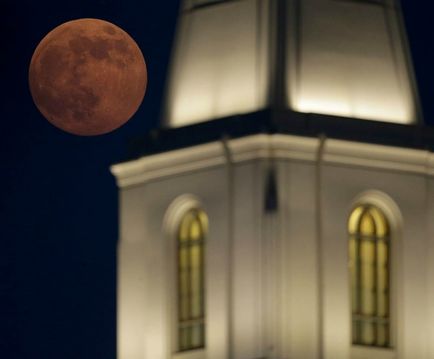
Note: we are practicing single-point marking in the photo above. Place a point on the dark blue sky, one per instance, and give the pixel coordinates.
(58, 201)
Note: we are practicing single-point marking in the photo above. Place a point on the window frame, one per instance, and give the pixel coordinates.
(394, 218)
(361, 247)
(170, 224)
(172, 221)
(199, 218)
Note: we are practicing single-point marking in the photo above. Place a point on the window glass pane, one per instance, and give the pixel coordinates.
(196, 336)
(195, 282)
(203, 219)
(354, 275)
(367, 278)
(381, 226)
(353, 223)
(185, 227)
(183, 296)
(367, 337)
(367, 225)
(195, 230)
(383, 335)
(382, 279)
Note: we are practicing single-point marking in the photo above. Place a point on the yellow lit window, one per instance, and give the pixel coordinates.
(191, 280)
(369, 263)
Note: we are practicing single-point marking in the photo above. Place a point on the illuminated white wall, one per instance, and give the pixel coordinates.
(351, 61)
(247, 282)
(146, 280)
(276, 283)
(220, 62)
(430, 264)
(344, 58)
(146, 273)
(299, 263)
(410, 304)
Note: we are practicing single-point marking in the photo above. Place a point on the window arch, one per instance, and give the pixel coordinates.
(190, 253)
(370, 268)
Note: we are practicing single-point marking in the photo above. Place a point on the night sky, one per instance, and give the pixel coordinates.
(58, 201)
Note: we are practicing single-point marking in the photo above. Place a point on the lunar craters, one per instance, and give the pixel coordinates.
(87, 77)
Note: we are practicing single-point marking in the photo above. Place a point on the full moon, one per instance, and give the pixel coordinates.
(87, 77)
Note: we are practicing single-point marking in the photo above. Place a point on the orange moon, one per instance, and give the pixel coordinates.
(87, 77)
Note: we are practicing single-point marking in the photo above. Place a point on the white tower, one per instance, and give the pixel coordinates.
(284, 210)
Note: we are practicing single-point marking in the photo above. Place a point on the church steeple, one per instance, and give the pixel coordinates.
(337, 57)
(310, 215)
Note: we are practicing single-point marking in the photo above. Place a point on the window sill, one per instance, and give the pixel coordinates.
(190, 354)
(361, 352)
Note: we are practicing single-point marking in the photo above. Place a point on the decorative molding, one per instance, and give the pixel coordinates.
(294, 147)
(250, 148)
(167, 164)
(430, 164)
(176, 210)
(279, 146)
(375, 156)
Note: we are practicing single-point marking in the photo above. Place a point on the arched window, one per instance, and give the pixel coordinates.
(369, 263)
(191, 237)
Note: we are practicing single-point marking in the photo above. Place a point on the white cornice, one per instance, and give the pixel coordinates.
(250, 148)
(430, 164)
(276, 146)
(376, 156)
(167, 164)
(279, 146)
(294, 147)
